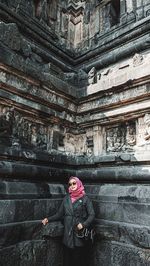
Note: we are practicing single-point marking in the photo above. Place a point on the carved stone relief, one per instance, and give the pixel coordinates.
(46, 11)
(23, 131)
(6, 122)
(75, 144)
(64, 24)
(137, 59)
(80, 19)
(90, 145)
(147, 125)
(40, 8)
(92, 76)
(121, 138)
(144, 132)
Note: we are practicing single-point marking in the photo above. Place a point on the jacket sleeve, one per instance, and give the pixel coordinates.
(58, 215)
(91, 213)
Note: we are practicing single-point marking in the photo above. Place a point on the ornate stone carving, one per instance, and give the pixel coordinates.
(137, 59)
(144, 132)
(113, 16)
(147, 129)
(41, 10)
(70, 77)
(69, 144)
(46, 10)
(6, 121)
(75, 144)
(148, 13)
(121, 138)
(92, 76)
(23, 131)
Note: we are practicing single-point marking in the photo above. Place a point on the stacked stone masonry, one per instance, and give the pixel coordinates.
(75, 100)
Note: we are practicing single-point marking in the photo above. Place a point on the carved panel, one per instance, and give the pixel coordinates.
(92, 76)
(121, 138)
(75, 144)
(46, 11)
(144, 132)
(18, 130)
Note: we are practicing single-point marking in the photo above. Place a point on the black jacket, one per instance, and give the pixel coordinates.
(81, 211)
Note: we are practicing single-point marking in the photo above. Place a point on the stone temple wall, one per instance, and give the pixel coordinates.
(74, 100)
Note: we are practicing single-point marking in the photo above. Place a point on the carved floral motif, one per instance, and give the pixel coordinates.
(137, 59)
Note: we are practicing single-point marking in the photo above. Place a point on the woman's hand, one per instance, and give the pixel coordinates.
(45, 221)
(80, 226)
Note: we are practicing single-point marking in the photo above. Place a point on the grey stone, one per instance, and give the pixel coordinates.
(74, 101)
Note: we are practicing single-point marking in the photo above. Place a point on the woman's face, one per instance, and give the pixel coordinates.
(73, 184)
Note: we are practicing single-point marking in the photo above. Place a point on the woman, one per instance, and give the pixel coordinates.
(77, 212)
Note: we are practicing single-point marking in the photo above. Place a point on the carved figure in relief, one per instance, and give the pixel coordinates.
(130, 137)
(41, 10)
(42, 137)
(64, 25)
(33, 135)
(92, 76)
(6, 122)
(144, 132)
(147, 124)
(70, 144)
(113, 18)
(80, 145)
(46, 10)
(110, 141)
(117, 143)
(52, 13)
(121, 138)
(114, 141)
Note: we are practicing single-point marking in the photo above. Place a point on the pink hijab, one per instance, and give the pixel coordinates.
(79, 192)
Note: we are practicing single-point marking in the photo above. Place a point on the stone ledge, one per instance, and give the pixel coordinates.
(117, 174)
(33, 252)
(133, 234)
(119, 193)
(15, 233)
(30, 190)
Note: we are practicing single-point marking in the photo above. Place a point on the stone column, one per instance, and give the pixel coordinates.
(98, 140)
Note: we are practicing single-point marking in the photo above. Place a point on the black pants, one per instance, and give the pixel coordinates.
(77, 256)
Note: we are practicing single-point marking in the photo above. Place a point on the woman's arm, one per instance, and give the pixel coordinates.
(55, 217)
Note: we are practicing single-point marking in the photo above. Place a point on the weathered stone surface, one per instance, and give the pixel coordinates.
(120, 254)
(14, 233)
(32, 253)
(74, 100)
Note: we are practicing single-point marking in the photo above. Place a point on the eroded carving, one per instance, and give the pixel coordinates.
(46, 11)
(92, 76)
(121, 138)
(137, 59)
(75, 144)
(6, 121)
(147, 129)
(22, 130)
(113, 15)
(144, 132)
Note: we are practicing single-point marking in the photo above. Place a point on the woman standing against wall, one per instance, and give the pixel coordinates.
(77, 213)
